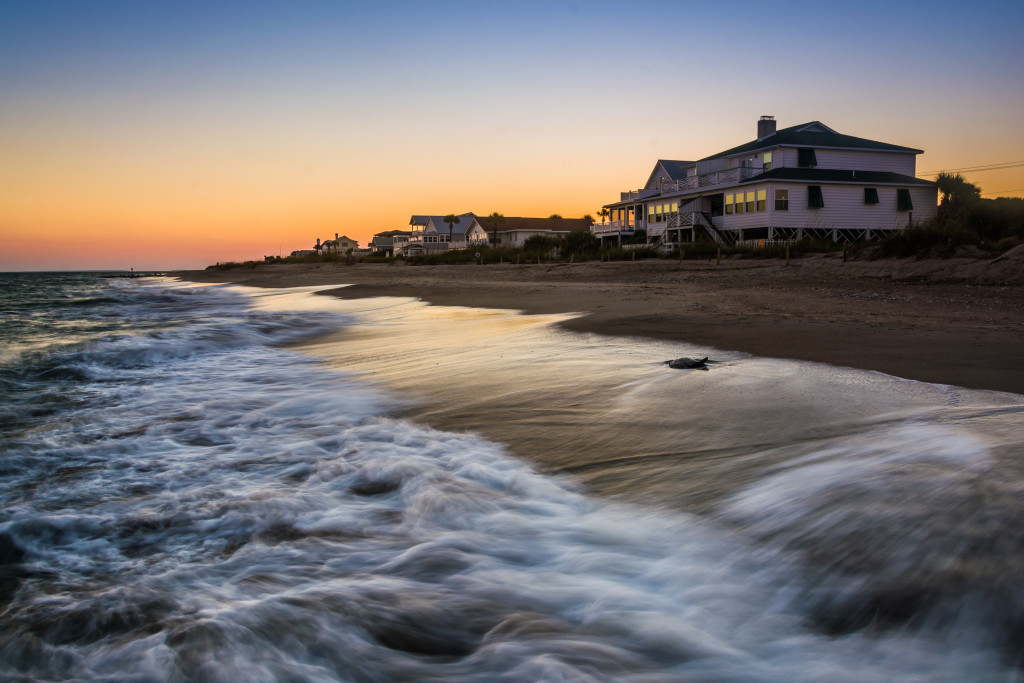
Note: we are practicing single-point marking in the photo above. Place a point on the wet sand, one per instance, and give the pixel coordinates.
(607, 411)
(946, 321)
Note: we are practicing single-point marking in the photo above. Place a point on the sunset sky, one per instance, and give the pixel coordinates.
(178, 134)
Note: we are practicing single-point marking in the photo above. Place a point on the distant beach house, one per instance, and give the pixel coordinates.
(390, 242)
(431, 234)
(515, 230)
(339, 245)
(802, 180)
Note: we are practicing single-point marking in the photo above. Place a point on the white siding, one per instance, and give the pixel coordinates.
(516, 238)
(844, 209)
(854, 160)
(712, 165)
(656, 175)
(757, 219)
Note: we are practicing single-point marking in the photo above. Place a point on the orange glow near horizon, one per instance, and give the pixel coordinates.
(141, 138)
(116, 210)
(114, 218)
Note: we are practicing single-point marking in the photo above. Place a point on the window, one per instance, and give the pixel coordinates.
(751, 204)
(728, 203)
(767, 161)
(762, 198)
(739, 202)
(806, 157)
(658, 213)
(903, 202)
(870, 195)
(815, 200)
(782, 200)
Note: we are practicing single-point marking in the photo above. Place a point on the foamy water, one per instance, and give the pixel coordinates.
(184, 499)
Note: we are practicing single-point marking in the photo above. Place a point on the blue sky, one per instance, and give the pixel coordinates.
(281, 121)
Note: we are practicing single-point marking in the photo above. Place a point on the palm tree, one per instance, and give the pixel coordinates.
(554, 215)
(496, 219)
(452, 220)
(604, 213)
(588, 218)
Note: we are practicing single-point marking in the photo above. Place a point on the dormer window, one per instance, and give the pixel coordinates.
(870, 195)
(767, 161)
(806, 157)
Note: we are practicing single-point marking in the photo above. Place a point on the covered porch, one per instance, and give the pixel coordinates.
(696, 219)
(626, 219)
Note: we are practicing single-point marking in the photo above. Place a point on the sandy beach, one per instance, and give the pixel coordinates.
(953, 321)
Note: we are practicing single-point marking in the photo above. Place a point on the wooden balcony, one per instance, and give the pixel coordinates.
(695, 182)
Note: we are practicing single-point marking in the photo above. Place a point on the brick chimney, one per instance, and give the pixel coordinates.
(765, 127)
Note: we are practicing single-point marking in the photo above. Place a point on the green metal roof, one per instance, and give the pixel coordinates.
(798, 136)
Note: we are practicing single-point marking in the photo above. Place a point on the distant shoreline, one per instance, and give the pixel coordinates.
(956, 321)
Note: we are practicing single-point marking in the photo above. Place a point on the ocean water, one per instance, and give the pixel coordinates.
(186, 495)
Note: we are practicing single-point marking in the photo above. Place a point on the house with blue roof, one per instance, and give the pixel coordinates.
(805, 180)
(431, 234)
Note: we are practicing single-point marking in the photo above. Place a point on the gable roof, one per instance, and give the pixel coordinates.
(466, 222)
(812, 134)
(675, 170)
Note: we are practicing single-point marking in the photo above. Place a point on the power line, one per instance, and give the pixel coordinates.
(1018, 189)
(984, 167)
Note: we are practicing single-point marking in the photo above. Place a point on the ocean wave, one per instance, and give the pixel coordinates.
(915, 527)
(211, 506)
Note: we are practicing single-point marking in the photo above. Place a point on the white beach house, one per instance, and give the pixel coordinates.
(431, 233)
(803, 180)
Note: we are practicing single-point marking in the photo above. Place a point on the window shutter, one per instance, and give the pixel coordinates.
(806, 157)
(903, 202)
(815, 200)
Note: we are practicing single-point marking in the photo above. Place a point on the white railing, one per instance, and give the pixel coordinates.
(693, 182)
(616, 226)
(656, 230)
(680, 220)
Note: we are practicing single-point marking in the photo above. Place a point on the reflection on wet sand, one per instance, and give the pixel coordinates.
(608, 410)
